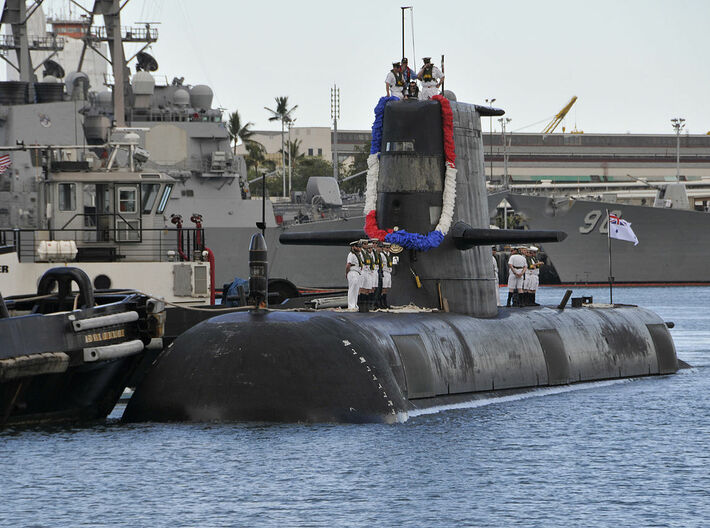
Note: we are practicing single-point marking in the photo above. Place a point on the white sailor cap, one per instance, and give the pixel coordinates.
(532, 248)
(355, 243)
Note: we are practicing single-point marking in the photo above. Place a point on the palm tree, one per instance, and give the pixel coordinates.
(294, 147)
(255, 154)
(283, 114)
(236, 131)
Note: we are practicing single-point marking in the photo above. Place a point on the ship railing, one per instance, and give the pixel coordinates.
(174, 114)
(35, 43)
(106, 244)
(128, 33)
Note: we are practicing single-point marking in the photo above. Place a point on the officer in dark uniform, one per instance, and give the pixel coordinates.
(411, 90)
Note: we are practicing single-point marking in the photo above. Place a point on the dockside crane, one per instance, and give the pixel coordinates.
(552, 125)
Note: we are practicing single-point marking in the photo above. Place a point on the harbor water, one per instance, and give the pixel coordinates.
(613, 453)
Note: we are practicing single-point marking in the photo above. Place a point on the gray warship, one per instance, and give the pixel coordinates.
(61, 123)
(657, 182)
(672, 247)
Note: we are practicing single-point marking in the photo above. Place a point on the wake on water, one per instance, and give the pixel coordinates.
(533, 393)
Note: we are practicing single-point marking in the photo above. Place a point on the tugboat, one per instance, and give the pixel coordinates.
(67, 357)
(426, 194)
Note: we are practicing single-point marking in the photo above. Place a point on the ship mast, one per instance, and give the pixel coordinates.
(111, 9)
(16, 15)
(114, 36)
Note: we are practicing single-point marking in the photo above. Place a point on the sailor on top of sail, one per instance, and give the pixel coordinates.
(394, 82)
(431, 78)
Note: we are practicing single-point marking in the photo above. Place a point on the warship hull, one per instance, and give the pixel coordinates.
(672, 249)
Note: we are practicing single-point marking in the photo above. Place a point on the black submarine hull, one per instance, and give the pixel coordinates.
(377, 367)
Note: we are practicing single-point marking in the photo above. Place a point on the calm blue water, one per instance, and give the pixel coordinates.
(627, 453)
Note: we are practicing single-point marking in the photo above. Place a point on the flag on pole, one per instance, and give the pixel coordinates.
(5, 163)
(621, 230)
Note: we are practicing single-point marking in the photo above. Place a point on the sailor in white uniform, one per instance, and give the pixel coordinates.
(394, 82)
(495, 274)
(431, 78)
(533, 275)
(375, 275)
(517, 266)
(353, 271)
(386, 262)
(368, 282)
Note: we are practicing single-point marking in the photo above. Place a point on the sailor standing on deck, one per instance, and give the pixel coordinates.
(495, 273)
(386, 262)
(368, 279)
(394, 82)
(353, 270)
(517, 266)
(532, 276)
(431, 78)
(376, 273)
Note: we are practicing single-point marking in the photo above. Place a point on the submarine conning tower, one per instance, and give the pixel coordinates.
(409, 196)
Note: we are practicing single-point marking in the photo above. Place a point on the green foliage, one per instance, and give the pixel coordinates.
(237, 131)
(255, 154)
(274, 185)
(294, 147)
(307, 166)
(357, 184)
(282, 113)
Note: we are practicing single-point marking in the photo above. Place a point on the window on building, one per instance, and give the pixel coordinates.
(320, 151)
(67, 196)
(310, 152)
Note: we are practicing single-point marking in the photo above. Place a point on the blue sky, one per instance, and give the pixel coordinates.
(633, 64)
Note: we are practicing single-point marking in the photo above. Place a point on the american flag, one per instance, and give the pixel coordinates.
(5, 163)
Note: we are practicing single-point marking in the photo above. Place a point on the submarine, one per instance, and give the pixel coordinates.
(447, 342)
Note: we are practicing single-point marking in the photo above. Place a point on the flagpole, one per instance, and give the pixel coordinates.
(608, 239)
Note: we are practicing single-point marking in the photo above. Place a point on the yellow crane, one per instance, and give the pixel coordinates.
(552, 125)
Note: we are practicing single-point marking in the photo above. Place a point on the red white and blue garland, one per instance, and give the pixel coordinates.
(401, 237)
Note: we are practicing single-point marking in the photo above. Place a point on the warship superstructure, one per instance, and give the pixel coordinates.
(175, 132)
